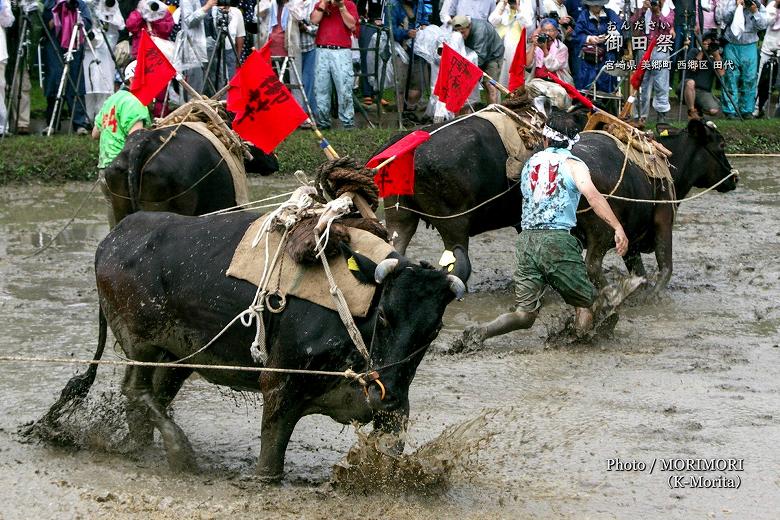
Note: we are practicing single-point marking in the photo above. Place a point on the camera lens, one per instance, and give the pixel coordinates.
(154, 6)
(110, 3)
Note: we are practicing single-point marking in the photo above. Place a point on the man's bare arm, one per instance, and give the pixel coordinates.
(599, 204)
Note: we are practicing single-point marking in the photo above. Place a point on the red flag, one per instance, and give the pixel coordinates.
(265, 110)
(517, 70)
(397, 177)
(152, 72)
(265, 51)
(235, 100)
(569, 88)
(639, 73)
(457, 78)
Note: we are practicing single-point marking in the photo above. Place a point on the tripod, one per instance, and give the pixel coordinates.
(217, 55)
(78, 30)
(686, 45)
(26, 8)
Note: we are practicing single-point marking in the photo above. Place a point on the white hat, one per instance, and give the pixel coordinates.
(130, 70)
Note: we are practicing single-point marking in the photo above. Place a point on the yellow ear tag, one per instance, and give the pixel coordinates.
(664, 133)
(447, 258)
(352, 264)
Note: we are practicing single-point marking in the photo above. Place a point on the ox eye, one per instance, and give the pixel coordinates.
(382, 318)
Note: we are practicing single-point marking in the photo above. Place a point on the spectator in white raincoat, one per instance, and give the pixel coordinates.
(99, 67)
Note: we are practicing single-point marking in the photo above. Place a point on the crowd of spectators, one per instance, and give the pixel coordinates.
(584, 42)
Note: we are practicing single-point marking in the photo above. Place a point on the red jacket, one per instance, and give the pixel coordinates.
(161, 28)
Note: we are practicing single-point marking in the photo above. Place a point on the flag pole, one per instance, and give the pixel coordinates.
(496, 84)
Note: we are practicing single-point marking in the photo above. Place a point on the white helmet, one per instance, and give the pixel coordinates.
(130, 71)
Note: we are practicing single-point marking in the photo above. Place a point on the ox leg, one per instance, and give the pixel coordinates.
(401, 222)
(634, 264)
(280, 415)
(593, 260)
(663, 246)
(139, 389)
(168, 382)
(393, 423)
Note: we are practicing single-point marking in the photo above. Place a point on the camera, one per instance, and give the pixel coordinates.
(226, 3)
(109, 3)
(713, 47)
(553, 15)
(73, 5)
(750, 3)
(153, 6)
(653, 3)
(542, 38)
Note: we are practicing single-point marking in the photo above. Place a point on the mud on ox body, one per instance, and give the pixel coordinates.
(163, 290)
(460, 168)
(186, 176)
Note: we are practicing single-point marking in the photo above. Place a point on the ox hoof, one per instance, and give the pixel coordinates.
(183, 461)
(472, 339)
(269, 478)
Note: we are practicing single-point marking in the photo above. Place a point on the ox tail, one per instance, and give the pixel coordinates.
(135, 163)
(79, 385)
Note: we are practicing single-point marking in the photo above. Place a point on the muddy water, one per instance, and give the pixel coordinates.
(695, 375)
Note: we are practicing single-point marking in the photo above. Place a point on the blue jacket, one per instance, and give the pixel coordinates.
(397, 14)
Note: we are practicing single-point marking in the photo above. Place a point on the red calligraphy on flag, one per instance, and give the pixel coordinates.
(517, 69)
(457, 78)
(266, 112)
(639, 73)
(152, 72)
(397, 177)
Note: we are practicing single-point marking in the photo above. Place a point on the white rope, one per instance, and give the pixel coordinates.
(677, 201)
(348, 373)
(342, 307)
(397, 206)
(251, 203)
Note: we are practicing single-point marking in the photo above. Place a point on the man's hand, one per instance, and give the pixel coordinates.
(646, 4)
(621, 241)
(741, 2)
(208, 5)
(411, 33)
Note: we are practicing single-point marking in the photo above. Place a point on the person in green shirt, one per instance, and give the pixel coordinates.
(121, 115)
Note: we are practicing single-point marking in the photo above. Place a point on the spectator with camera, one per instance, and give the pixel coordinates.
(590, 38)
(743, 20)
(99, 66)
(153, 16)
(770, 50)
(191, 48)
(550, 55)
(338, 21)
(408, 17)
(700, 81)
(509, 23)
(62, 17)
(655, 84)
(228, 19)
(482, 38)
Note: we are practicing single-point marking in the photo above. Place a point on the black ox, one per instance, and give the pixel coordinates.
(186, 175)
(462, 167)
(163, 290)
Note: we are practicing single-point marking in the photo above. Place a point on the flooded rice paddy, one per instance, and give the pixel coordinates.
(529, 429)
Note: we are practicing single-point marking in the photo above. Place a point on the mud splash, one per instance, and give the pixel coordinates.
(96, 423)
(371, 467)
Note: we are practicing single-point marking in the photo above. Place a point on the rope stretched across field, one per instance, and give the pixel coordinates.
(348, 373)
(397, 205)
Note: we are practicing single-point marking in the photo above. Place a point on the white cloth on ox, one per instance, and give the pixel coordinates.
(510, 130)
(309, 282)
(234, 163)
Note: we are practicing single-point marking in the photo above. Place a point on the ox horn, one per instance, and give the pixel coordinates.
(457, 286)
(384, 268)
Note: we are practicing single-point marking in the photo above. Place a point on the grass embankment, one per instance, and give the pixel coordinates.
(62, 158)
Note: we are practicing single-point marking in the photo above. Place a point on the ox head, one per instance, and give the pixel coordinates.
(709, 164)
(405, 318)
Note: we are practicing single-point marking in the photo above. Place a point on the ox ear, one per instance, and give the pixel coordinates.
(456, 263)
(698, 130)
(360, 266)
